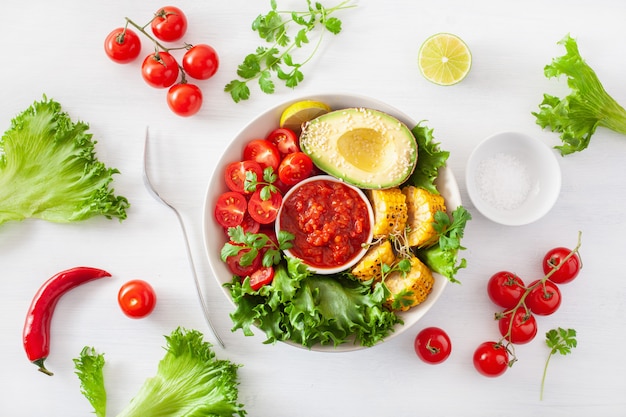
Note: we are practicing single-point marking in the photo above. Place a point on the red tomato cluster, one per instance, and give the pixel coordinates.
(516, 322)
(267, 169)
(161, 69)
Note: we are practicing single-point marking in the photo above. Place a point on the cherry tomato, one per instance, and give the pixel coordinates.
(230, 209)
(136, 298)
(201, 62)
(160, 70)
(505, 289)
(491, 359)
(184, 99)
(169, 24)
(263, 152)
(235, 262)
(523, 329)
(262, 276)
(284, 139)
(567, 271)
(122, 45)
(544, 299)
(236, 172)
(432, 345)
(264, 211)
(295, 167)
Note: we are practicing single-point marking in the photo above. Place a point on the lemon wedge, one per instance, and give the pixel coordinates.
(301, 112)
(444, 59)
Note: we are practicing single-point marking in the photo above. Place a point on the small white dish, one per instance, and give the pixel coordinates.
(512, 178)
(356, 257)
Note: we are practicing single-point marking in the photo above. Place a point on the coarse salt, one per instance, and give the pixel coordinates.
(503, 181)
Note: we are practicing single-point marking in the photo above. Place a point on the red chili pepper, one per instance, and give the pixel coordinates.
(36, 335)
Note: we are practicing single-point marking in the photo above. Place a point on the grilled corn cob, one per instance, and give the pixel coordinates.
(421, 208)
(410, 289)
(390, 211)
(371, 264)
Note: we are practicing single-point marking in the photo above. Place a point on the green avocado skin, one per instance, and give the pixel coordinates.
(363, 147)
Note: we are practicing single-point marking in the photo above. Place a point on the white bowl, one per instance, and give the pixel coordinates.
(354, 259)
(260, 126)
(512, 178)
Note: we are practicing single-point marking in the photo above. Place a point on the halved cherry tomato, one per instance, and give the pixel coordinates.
(169, 24)
(262, 276)
(285, 140)
(264, 211)
(263, 152)
(295, 167)
(235, 174)
(230, 209)
(136, 298)
(234, 263)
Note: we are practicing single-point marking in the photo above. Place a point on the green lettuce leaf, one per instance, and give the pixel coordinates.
(588, 106)
(430, 159)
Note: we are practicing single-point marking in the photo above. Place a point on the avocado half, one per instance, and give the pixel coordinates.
(363, 147)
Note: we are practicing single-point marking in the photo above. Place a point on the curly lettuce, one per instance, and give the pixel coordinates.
(311, 309)
(588, 106)
(49, 170)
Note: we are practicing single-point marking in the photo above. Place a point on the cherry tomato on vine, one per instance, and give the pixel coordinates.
(295, 167)
(230, 209)
(160, 70)
(262, 276)
(505, 289)
(240, 266)
(136, 298)
(184, 99)
(169, 24)
(491, 359)
(569, 268)
(522, 330)
(544, 299)
(122, 45)
(263, 152)
(201, 62)
(432, 345)
(236, 172)
(285, 140)
(264, 211)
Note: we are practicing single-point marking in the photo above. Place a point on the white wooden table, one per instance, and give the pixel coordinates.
(55, 48)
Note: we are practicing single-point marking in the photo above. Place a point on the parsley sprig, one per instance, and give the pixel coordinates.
(277, 58)
(559, 341)
(252, 183)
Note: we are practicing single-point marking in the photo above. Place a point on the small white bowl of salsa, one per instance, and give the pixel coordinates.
(332, 223)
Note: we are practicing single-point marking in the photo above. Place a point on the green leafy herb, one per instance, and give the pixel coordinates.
(284, 36)
(49, 170)
(251, 183)
(190, 381)
(312, 309)
(431, 158)
(89, 367)
(442, 257)
(253, 244)
(559, 341)
(588, 106)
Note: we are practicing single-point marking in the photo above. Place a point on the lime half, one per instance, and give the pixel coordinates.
(444, 59)
(298, 113)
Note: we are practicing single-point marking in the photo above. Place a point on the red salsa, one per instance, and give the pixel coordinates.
(329, 220)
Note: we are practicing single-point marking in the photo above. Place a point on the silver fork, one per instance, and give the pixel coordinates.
(158, 197)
